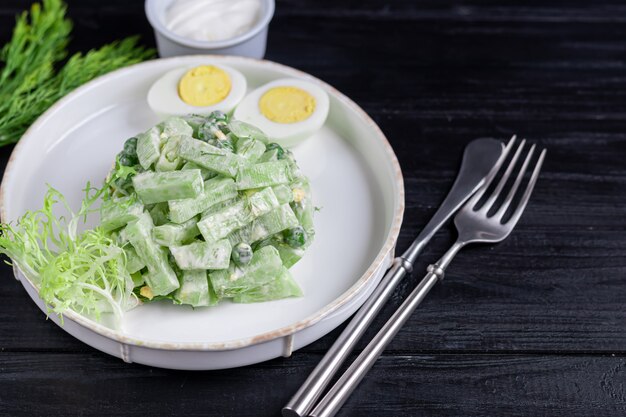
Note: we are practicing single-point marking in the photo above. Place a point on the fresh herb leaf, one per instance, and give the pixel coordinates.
(29, 84)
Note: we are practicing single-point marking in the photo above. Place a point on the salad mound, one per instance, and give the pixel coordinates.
(196, 210)
(211, 209)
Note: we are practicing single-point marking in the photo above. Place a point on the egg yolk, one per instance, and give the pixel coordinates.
(287, 104)
(204, 86)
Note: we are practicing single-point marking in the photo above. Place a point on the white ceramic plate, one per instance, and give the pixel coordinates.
(356, 180)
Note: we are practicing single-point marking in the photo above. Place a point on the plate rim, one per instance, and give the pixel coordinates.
(343, 299)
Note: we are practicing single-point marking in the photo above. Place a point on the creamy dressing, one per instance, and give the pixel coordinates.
(212, 20)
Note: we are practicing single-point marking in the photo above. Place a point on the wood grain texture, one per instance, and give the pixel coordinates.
(433, 385)
(533, 326)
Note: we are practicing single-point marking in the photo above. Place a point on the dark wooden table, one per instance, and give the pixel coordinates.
(533, 326)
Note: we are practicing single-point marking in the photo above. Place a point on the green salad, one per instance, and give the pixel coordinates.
(197, 209)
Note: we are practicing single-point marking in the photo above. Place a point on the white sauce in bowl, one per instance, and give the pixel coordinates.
(212, 20)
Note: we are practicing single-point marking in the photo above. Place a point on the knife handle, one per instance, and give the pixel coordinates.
(308, 394)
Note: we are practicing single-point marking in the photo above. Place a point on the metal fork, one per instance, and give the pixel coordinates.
(474, 225)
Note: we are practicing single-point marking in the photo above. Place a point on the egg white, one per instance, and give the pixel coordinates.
(285, 134)
(164, 100)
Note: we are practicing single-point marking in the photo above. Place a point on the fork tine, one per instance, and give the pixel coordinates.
(529, 189)
(492, 174)
(505, 177)
(505, 204)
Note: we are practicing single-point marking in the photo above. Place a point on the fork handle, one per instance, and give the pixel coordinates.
(303, 401)
(339, 393)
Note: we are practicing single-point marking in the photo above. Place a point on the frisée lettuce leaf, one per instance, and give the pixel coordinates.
(82, 271)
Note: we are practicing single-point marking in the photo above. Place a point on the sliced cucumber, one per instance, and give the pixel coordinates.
(174, 126)
(169, 159)
(149, 147)
(251, 149)
(172, 234)
(155, 187)
(195, 290)
(206, 174)
(160, 277)
(216, 190)
(264, 267)
(211, 157)
(133, 262)
(202, 255)
(263, 175)
(118, 212)
(282, 287)
(271, 223)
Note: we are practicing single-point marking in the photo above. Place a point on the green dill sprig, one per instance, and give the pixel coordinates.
(29, 81)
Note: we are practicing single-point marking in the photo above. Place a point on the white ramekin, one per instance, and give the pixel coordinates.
(251, 43)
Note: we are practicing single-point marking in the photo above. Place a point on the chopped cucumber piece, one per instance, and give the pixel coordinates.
(176, 234)
(215, 191)
(263, 175)
(218, 225)
(118, 212)
(169, 159)
(271, 223)
(283, 193)
(246, 130)
(160, 277)
(261, 202)
(133, 262)
(282, 287)
(302, 206)
(148, 147)
(251, 149)
(219, 206)
(210, 157)
(203, 255)
(206, 174)
(268, 156)
(195, 121)
(264, 267)
(194, 290)
(221, 223)
(155, 187)
(174, 126)
(290, 256)
(159, 214)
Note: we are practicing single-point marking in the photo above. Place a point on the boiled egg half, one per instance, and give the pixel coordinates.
(200, 90)
(288, 110)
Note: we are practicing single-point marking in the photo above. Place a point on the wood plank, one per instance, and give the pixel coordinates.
(441, 385)
(533, 326)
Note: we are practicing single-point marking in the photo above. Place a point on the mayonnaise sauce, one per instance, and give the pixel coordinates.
(212, 20)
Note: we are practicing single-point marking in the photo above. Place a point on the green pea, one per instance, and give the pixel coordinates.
(130, 147)
(295, 237)
(242, 254)
(128, 160)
